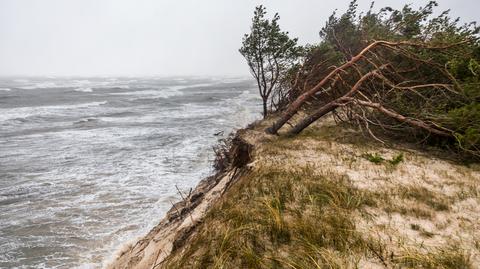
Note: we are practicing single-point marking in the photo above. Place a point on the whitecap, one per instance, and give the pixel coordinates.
(20, 113)
(129, 172)
(60, 84)
(83, 90)
(81, 82)
(5, 89)
(182, 87)
(41, 85)
(84, 81)
(165, 93)
(121, 86)
(235, 79)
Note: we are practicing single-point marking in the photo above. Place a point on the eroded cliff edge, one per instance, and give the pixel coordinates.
(182, 219)
(328, 197)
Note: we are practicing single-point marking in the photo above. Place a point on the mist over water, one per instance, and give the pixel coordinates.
(88, 164)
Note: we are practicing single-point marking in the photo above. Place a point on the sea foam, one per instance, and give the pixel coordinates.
(25, 112)
(83, 90)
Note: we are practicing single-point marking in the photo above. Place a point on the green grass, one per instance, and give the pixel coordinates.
(378, 159)
(285, 216)
(374, 158)
(397, 159)
(274, 218)
(278, 219)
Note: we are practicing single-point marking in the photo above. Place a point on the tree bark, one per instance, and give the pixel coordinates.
(401, 118)
(313, 117)
(265, 109)
(295, 106)
(333, 104)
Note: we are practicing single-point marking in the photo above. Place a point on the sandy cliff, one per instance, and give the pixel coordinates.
(326, 197)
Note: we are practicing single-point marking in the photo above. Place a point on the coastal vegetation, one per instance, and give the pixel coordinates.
(316, 200)
(321, 194)
(269, 53)
(366, 156)
(403, 73)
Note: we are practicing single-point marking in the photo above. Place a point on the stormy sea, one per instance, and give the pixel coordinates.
(87, 164)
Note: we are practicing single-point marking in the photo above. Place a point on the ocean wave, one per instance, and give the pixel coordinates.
(5, 89)
(165, 93)
(81, 81)
(234, 79)
(117, 87)
(76, 83)
(111, 83)
(87, 121)
(57, 84)
(41, 85)
(247, 95)
(126, 168)
(22, 113)
(182, 87)
(83, 90)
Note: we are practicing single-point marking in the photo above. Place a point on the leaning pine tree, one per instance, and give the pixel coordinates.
(403, 73)
(269, 52)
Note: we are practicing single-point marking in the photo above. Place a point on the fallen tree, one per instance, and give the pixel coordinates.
(418, 84)
(336, 75)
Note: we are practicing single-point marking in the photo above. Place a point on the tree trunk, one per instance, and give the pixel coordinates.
(412, 122)
(295, 106)
(333, 104)
(265, 109)
(315, 116)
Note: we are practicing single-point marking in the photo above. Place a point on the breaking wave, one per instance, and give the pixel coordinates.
(22, 113)
(82, 178)
(83, 90)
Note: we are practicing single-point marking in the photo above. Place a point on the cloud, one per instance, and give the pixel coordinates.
(150, 37)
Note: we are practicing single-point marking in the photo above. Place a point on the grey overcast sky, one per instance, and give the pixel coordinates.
(154, 37)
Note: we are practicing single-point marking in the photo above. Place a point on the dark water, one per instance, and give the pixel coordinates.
(88, 164)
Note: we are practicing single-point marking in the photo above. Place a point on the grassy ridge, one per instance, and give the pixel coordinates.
(286, 215)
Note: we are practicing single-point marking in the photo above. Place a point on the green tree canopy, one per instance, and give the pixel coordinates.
(269, 52)
(406, 73)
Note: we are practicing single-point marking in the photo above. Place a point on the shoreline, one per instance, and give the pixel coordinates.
(423, 205)
(150, 250)
(158, 243)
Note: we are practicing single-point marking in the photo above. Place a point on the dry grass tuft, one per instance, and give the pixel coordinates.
(448, 257)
